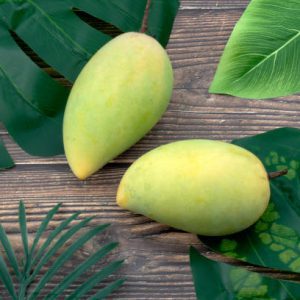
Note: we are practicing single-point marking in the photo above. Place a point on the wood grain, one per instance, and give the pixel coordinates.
(213, 4)
(156, 256)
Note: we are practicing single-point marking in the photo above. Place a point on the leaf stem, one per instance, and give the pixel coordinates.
(146, 16)
(273, 175)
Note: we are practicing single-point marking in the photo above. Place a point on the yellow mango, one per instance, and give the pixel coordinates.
(118, 97)
(204, 187)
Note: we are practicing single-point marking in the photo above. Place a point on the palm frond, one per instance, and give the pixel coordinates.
(58, 245)
(35, 258)
(9, 252)
(6, 278)
(24, 233)
(94, 280)
(107, 290)
(66, 255)
(43, 227)
(62, 286)
(52, 236)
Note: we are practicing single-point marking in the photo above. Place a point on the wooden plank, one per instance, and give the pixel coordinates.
(195, 47)
(213, 4)
(156, 256)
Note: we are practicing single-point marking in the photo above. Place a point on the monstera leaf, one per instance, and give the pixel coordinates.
(220, 281)
(261, 59)
(274, 241)
(6, 161)
(31, 102)
(33, 273)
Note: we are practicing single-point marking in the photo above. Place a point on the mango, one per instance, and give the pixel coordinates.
(117, 98)
(204, 187)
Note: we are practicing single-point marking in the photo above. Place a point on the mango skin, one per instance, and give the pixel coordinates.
(204, 187)
(118, 97)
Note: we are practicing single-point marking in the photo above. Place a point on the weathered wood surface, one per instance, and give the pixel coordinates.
(156, 257)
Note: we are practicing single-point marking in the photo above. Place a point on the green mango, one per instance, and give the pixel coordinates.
(118, 97)
(204, 187)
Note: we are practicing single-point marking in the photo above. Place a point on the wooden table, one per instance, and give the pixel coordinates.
(156, 256)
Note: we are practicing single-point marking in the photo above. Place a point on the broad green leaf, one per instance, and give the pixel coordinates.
(220, 281)
(160, 21)
(274, 241)
(32, 103)
(6, 161)
(261, 58)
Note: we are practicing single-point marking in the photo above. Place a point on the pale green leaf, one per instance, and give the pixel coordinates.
(261, 59)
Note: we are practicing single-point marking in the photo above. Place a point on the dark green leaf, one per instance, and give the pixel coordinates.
(52, 236)
(32, 103)
(220, 281)
(274, 241)
(66, 255)
(102, 294)
(6, 161)
(24, 233)
(261, 59)
(82, 268)
(94, 280)
(9, 251)
(32, 263)
(6, 278)
(43, 227)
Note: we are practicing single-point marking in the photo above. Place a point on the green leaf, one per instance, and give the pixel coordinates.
(220, 281)
(9, 251)
(52, 236)
(6, 161)
(94, 280)
(274, 241)
(102, 294)
(24, 233)
(261, 58)
(57, 245)
(92, 260)
(43, 227)
(65, 256)
(35, 258)
(31, 102)
(6, 278)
